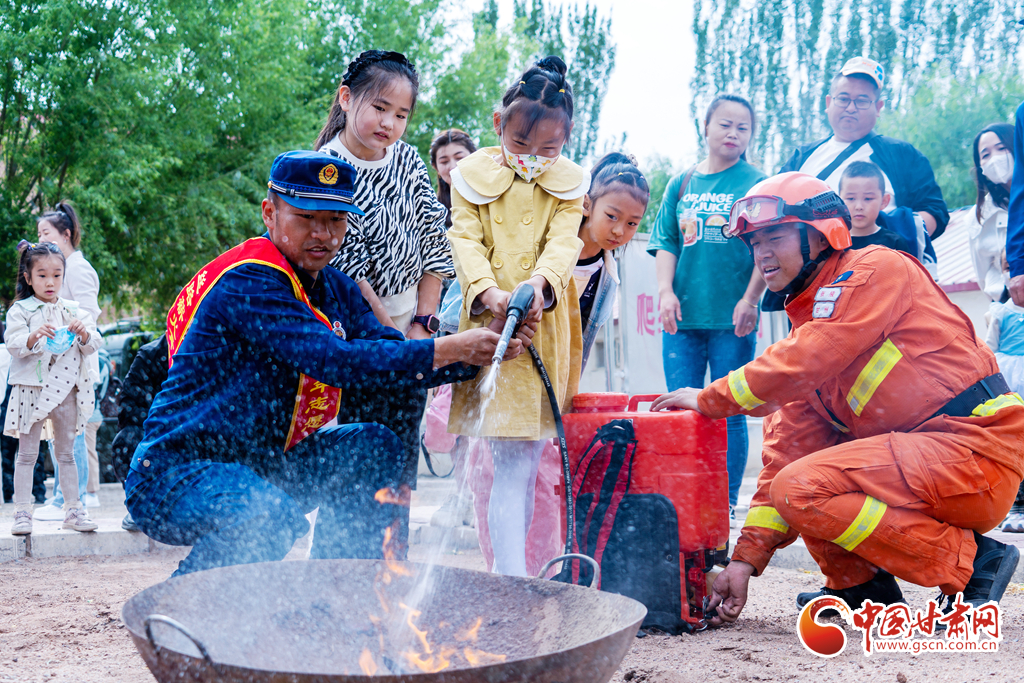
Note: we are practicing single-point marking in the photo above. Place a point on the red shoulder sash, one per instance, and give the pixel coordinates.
(316, 403)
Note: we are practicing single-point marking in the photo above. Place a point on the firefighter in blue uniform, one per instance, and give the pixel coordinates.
(262, 343)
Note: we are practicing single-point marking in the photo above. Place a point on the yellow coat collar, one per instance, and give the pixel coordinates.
(481, 179)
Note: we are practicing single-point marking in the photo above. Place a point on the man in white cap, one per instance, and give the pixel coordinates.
(917, 211)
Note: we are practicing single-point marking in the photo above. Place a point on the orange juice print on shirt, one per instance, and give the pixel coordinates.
(690, 227)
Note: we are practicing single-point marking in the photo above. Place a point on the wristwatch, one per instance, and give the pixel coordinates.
(429, 322)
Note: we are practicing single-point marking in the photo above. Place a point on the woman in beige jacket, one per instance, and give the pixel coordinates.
(516, 212)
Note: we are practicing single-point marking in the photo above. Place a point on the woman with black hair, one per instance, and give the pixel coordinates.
(707, 284)
(993, 171)
(447, 149)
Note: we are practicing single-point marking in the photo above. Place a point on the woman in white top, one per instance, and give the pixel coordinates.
(993, 171)
(81, 283)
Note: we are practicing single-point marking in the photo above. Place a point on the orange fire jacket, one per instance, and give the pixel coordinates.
(876, 347)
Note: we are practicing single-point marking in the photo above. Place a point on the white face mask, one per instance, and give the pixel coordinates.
(528, 166)
(999, 168)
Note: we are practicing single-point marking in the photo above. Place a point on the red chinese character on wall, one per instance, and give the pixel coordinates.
(645, 317)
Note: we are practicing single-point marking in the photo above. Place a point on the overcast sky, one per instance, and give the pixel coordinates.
(648, 94)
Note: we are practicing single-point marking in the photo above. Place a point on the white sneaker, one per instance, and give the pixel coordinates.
(49, 513)
(78, 519)
(1014, 523)
(22, 523)
(454, 511)
(91, 500)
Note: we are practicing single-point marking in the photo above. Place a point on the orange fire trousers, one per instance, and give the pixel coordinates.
(905, 502)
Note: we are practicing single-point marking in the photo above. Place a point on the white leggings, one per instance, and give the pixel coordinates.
(64, 417)
(511, 508)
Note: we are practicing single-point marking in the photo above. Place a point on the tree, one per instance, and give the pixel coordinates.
(782, 55)
(942, 119)
(658, 172)
(160, 119)
(583, 40)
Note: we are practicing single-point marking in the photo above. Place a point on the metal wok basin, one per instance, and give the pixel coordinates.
(305, 622)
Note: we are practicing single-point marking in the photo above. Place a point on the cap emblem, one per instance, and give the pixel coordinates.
(329, 174)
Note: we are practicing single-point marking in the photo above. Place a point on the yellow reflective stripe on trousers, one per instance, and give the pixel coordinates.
(870, 515)
(766, 517)
(872, 375)
(741, 391)
(990, 406)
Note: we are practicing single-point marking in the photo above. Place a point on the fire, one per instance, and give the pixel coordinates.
(421, 655)
(366, 662)
(391, 547)
(390, 495)
(425, 661)
(473, 632)
(474, 656)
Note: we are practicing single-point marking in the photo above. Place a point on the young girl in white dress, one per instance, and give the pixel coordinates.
(48, 339)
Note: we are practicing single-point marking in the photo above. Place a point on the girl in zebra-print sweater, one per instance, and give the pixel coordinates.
(398, 253)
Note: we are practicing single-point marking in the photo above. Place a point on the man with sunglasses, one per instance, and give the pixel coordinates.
(917, 211)
(891, 441)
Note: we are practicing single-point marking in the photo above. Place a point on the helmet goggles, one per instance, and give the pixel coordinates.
(759, 211)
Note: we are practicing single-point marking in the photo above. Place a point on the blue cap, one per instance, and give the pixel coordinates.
(314, 181)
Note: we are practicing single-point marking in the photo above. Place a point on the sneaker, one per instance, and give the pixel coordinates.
(128, 524)
(733, 522)
(994, 565)
(454, 511)
(22, 523)
(91, 500)
(1014, 523)
(78, 519)
(49, 513)
(881, 589)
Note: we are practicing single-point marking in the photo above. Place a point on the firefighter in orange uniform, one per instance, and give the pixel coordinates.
(891, 441)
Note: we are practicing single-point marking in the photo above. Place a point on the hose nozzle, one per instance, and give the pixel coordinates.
(518, 306)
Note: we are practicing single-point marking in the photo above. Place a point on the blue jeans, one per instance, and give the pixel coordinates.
(686, 355)
(81, 463)
(235, 514)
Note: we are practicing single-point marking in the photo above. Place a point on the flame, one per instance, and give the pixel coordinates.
(425, 661)
(366, 662)
(390, 495)
(473, 632)
(391, 547)
(481, 658)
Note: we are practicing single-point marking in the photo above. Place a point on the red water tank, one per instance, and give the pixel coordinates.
(680, 454)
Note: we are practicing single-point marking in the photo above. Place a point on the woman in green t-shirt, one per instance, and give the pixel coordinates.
(707, 283)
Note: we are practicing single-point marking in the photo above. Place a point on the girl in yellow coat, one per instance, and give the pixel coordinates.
(516, 212)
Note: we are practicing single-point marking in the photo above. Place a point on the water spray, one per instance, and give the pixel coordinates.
(518, 306)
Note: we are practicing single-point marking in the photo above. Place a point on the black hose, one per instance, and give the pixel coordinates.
(570, 512)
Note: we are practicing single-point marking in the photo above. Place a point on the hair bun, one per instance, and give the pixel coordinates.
(554, 64)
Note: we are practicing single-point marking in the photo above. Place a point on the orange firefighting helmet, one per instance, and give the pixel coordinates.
(792, 198)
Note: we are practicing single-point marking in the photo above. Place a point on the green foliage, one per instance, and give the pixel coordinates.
(783, 55)
(160, 119)
(583, 40)
(942, 119)
(658, 172)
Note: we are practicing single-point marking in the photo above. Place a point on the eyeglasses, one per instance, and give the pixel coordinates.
(844, 102)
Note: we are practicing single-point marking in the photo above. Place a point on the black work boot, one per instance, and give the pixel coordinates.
(882, 588)
(994, 565)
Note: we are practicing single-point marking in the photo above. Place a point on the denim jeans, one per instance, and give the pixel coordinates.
(81, 463)
(235, 514)
(686, 355)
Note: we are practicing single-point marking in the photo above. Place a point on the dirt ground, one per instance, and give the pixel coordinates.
(60, 621)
